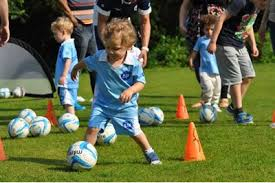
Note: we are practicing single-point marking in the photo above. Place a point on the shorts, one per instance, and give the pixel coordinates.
(123, 125)
(234, 64)
(67, 96)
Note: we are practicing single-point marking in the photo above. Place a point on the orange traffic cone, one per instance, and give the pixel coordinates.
(51, 114)
(193, 148)
(272, 125)
(2, 152)
(181, 109)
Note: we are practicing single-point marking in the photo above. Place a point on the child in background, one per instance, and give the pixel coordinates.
(62, 29)
(210, 80)
(119, 79)
(235, 66)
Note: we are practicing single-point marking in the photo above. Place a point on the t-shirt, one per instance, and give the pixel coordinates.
(243, 15)
(67, 50)
(123, 8)
(111, 82)
(208, 61)
(83, 10)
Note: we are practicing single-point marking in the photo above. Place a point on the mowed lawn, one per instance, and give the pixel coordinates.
(233, 153)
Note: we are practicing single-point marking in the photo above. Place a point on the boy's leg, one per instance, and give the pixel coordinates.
(229, 59)
(91, 135)
(247, 69)
(97, 121)
(67, 98)
(207, 87)
(216, 80)
(149, 152)
(130, 126)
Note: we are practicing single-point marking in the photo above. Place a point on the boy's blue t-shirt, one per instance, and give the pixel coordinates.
(67, 50)
(111, 82)
(208, 61)
(243, 15)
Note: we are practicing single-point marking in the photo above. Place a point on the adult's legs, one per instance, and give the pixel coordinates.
(272, 34)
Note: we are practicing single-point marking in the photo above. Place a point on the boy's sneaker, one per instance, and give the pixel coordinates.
(80, 99)
(79, 107)
(218, 109)
(152, 158)
(230, 110)
(243, 118)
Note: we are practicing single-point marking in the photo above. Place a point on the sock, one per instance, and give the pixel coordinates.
(148, 151)
(239, 110)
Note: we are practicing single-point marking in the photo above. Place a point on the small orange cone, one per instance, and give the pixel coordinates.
(272, 125)
(51, 114)
(193, 148)
(181, 109)
(2, 152)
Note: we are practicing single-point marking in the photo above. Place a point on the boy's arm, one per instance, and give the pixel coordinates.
(63, 4)
(67, 65)
(191, 59)
(127, 94)
(252, 43)
(185, 6)
(217, 29)
(79, 66)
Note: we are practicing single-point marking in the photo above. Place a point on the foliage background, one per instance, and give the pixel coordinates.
(30, 22)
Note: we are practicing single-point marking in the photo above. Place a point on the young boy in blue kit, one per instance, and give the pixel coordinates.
(235, 66)
(62, 29)
(119, 79)
(210, 80)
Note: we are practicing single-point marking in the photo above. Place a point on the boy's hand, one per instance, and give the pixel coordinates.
(62, 80)
(212, 47)
(74, 74)
(126, 95)
(254, 52)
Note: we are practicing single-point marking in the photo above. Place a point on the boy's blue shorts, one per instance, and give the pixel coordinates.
(67, 96)
(123, 125)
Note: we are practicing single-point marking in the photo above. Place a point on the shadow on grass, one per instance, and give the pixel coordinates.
(166, 96)
(44, 161)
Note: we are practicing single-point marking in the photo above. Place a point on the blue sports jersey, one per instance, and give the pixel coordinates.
(66, 51)
(208, 61)
(111, 82)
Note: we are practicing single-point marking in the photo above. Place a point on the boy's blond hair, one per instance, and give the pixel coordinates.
(209, 20)
(119, 29)
(62, 24)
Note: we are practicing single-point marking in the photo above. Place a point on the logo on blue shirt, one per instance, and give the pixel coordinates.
(125, 75)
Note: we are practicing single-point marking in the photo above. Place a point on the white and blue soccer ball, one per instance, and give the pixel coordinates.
(18, 92)
(107, 136)
(5, 93)
(208, 114)
(150, 116)
(18, 128)
(27, 114)
(68, 122)
(82, 155)
(145, 116)
(40, 126)
(158, 115)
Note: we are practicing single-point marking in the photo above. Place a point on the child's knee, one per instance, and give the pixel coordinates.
(92, 131)
(247, 80)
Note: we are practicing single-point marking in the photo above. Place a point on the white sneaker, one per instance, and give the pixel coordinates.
(216, 106)
(80, 99)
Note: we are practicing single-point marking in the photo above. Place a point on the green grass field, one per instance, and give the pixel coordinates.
(233, 153)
